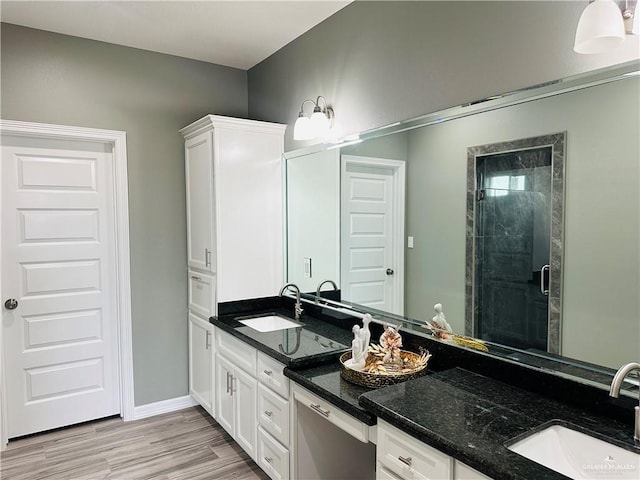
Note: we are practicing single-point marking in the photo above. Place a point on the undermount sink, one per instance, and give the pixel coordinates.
(577, 455)
(269, 323)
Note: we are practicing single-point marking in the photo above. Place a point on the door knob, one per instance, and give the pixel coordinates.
(390, 271)
(11, 304)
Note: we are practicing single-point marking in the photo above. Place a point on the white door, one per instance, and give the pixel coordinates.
(372, 246)
(58, 263)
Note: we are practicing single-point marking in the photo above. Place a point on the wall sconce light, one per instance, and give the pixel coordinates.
(602, 26)
(318, 125)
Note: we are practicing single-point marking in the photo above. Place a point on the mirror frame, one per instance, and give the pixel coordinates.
(584, 372)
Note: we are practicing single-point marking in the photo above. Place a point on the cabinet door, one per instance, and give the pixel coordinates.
(224, 400)
(244, 394)
(201, 362)
(200, 208)
(465, 472)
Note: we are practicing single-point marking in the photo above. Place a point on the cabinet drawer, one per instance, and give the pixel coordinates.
(407, 457)
(331, 413)
(202, 298)
(273, 458)
(273, 414)
(241, 354)
(270, 372)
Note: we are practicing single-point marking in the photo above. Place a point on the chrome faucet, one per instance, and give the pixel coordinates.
(616, 383)
(335, 287)
(298, 307)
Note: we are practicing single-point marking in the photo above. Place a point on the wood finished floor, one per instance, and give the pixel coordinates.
(187, 444)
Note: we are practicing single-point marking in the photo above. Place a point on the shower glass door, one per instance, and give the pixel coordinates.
(512, 247)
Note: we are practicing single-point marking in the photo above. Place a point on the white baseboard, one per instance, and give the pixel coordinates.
(164, 406)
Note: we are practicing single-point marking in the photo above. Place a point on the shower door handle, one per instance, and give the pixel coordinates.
(544, 288)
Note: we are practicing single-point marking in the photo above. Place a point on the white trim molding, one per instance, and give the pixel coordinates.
(118, 141)
(163, 406)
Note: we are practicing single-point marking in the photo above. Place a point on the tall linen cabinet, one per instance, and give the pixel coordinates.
(233, 170)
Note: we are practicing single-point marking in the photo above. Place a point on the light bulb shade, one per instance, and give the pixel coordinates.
(319, 124)
(302, 129)
(600, 28)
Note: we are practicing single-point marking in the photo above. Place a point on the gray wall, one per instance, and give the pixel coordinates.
(65, 80)
(380, 62)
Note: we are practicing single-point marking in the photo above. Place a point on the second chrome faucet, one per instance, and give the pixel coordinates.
(616, 384)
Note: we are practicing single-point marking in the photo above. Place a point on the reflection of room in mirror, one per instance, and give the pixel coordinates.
(599, 302)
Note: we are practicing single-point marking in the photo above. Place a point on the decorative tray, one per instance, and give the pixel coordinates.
(413, 366)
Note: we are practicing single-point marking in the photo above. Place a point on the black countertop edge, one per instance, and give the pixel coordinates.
(472, 418)
(352, 409)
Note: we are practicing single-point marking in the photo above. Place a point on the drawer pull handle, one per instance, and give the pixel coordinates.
(320, 410)
(268, 413)
(196, 278)
(407, 461)
(268, 373)
(207, 341)
(269, 460)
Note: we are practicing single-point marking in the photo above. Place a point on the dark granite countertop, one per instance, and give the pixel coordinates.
(466, 415)
(326, 382)
(314, 343)
(470, 417)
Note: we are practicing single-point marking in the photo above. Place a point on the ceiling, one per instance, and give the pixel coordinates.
(235, 33)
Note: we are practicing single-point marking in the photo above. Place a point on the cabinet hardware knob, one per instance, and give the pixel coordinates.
(390, 271)
(268, 372)
(268, 413)
(207, 257)
(268, 460)
(320, 410)
(196, 278)
(407, 461)
(207, 340)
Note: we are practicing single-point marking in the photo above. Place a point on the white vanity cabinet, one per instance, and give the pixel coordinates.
(236, 390)
(233, 171)
(201, 362)
(402, 457)
(273, 418)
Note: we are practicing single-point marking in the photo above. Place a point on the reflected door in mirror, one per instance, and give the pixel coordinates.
(513, 210)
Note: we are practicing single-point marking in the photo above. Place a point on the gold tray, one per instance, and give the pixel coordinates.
(377, 380)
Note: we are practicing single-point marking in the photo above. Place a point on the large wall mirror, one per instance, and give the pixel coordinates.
(391, 217)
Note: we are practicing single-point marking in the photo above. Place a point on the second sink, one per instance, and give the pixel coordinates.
(578, 455)
(269, 323)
